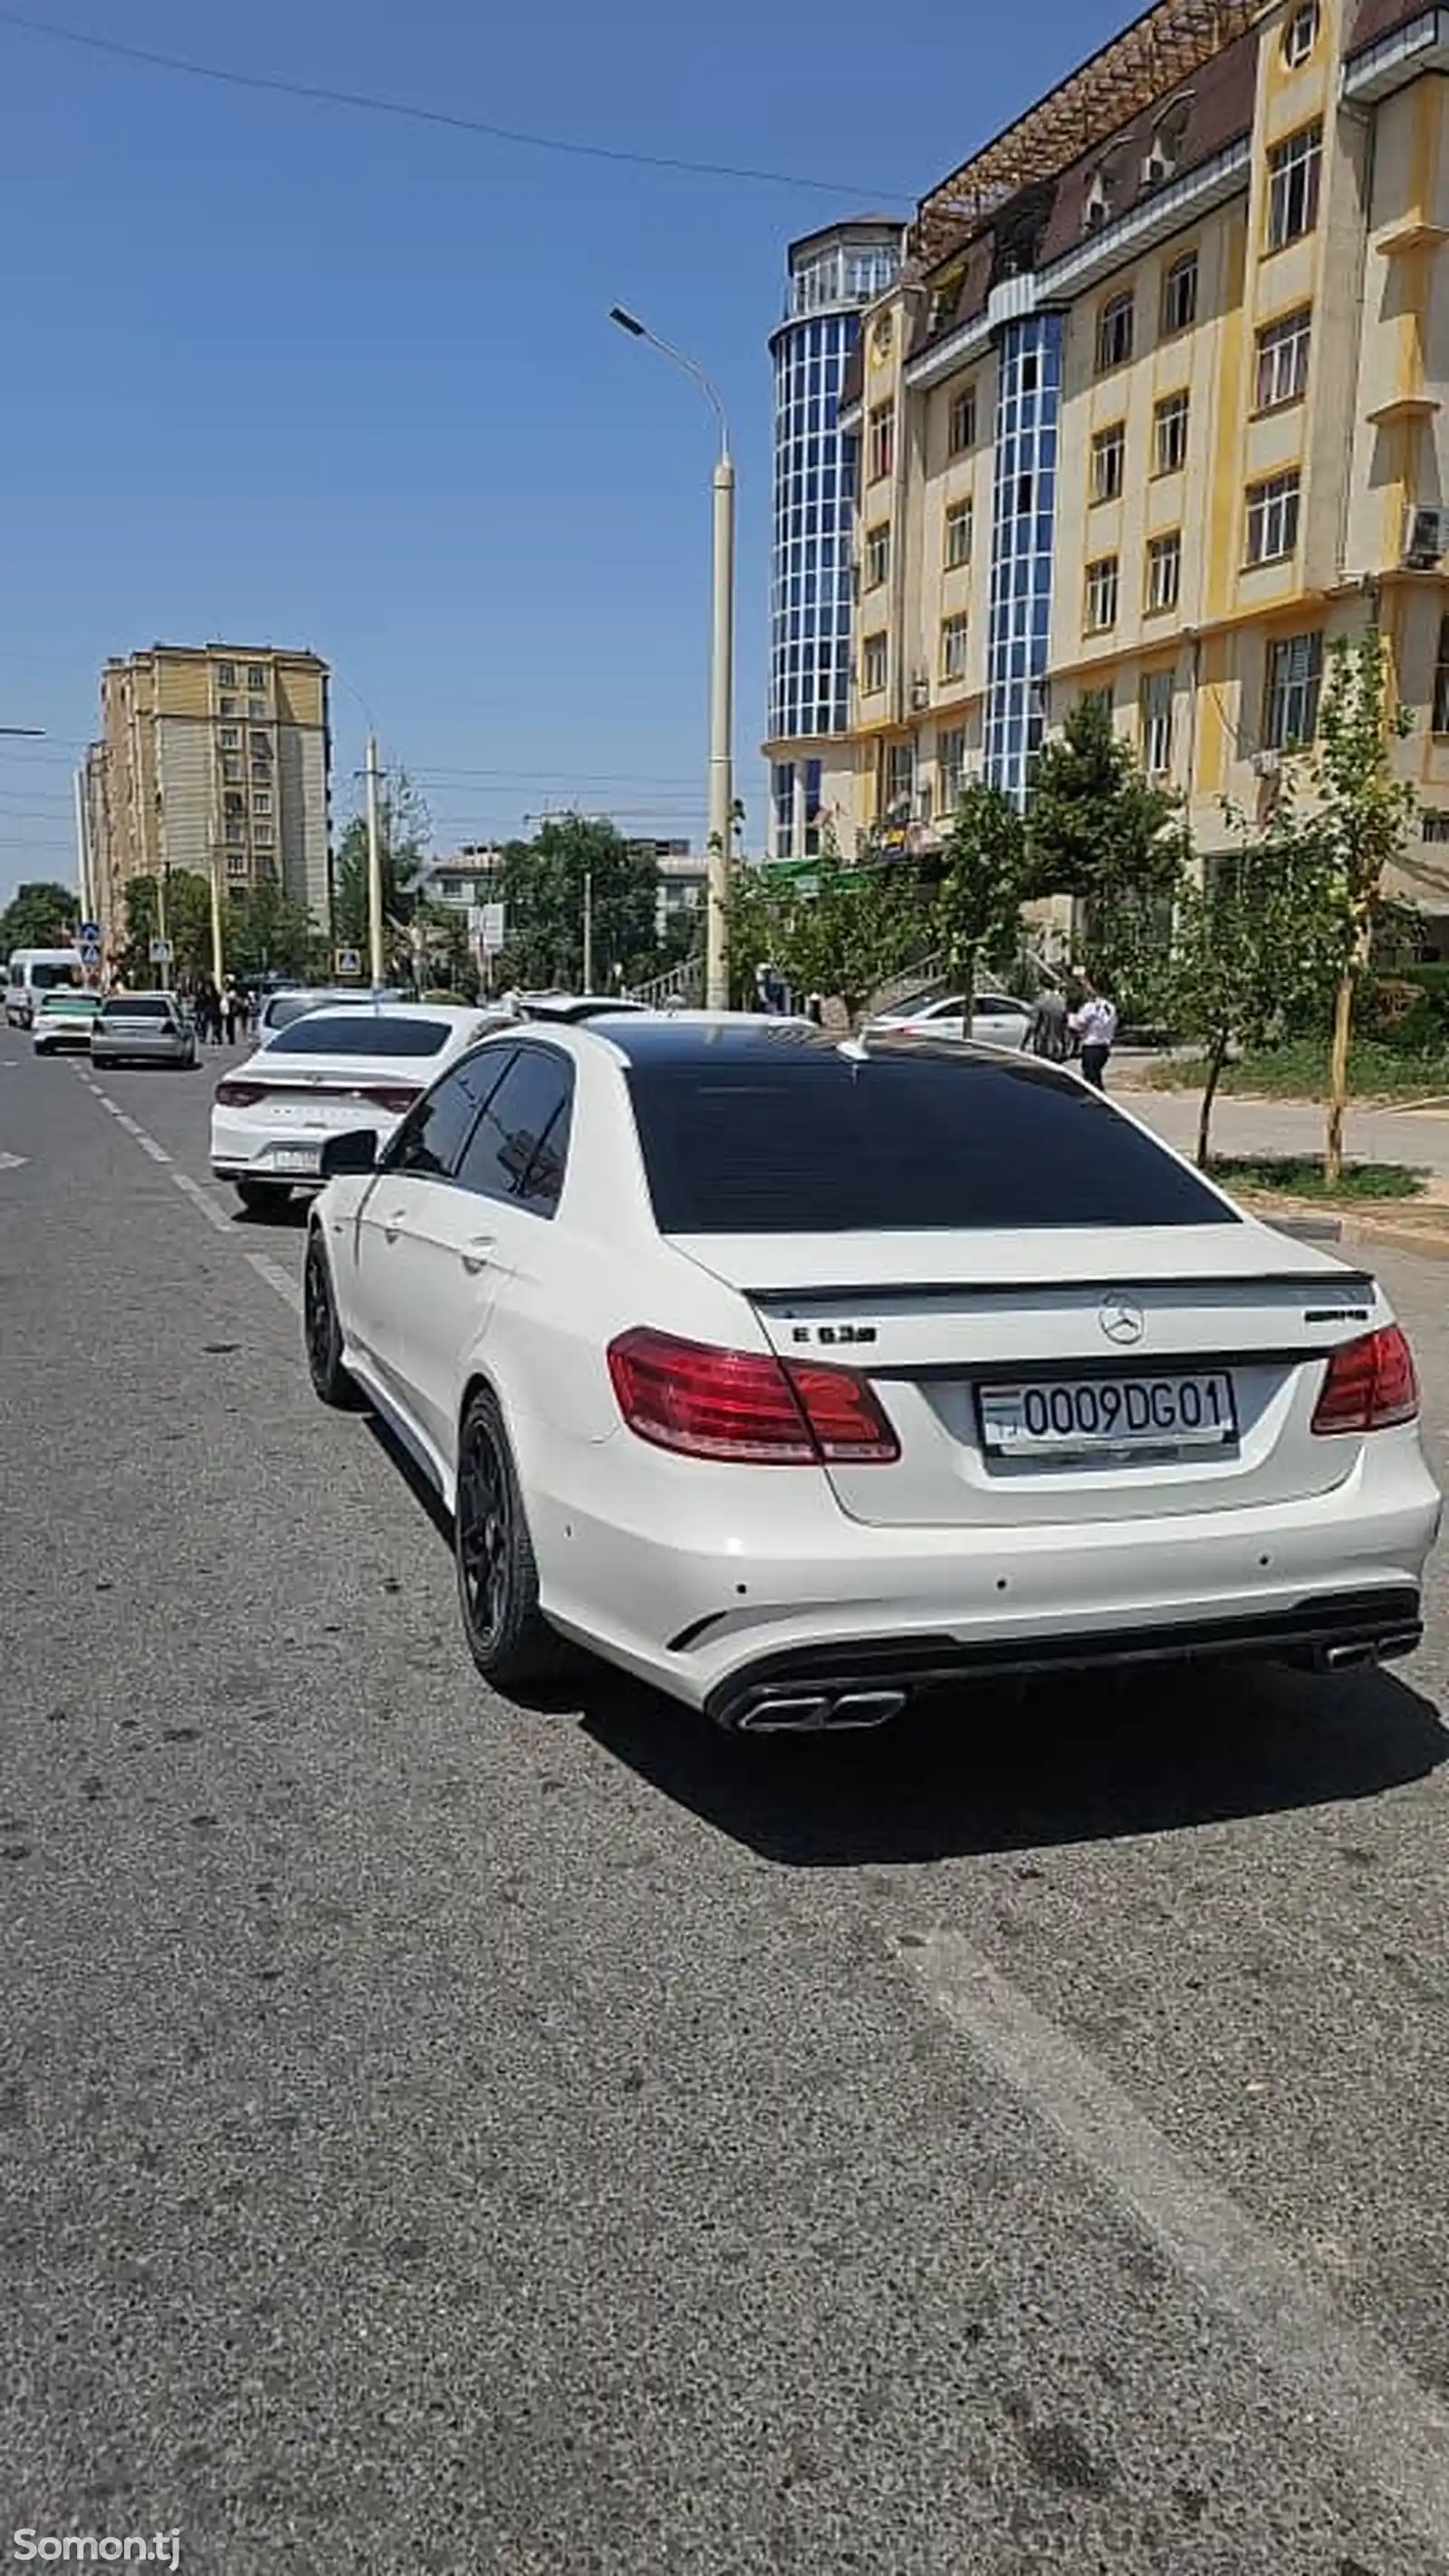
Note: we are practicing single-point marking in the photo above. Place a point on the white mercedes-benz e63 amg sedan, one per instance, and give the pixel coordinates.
(793, 1376)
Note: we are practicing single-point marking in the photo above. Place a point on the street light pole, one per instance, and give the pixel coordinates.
(374, 867)
(721, 675)
(588, 981)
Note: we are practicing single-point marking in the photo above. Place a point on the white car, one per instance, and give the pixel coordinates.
(792, 1376)
(293, 1001)
(330, 1070)
(996, 1020)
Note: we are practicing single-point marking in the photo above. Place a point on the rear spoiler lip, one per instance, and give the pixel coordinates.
(1347, 1288)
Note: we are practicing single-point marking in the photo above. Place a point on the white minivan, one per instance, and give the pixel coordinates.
(32, 971)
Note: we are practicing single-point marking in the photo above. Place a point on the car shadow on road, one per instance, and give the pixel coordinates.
(991, 1771)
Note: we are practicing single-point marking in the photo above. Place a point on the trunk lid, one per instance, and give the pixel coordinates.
(1066, 1373)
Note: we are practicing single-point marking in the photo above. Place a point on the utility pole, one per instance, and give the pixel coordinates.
(83, 850)
(374, 866)
(161, 931)
(588, 930)
(218, 961)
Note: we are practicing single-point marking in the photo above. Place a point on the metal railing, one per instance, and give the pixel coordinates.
(683, 984)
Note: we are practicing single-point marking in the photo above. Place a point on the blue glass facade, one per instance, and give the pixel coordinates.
(810, 560)
(1028, 406)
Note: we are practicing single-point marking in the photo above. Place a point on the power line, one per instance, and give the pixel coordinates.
(275, 85)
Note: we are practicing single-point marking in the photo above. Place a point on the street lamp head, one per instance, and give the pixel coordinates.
(627, 322)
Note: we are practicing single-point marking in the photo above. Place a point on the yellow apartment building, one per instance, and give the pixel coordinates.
(214, 758)
(1156, 408)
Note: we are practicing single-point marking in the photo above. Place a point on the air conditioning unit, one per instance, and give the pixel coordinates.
(1266, 764)
(920, 693)
(1426, 538)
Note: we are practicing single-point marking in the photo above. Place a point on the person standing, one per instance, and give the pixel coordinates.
(1095, 1025)
(1046, 1034)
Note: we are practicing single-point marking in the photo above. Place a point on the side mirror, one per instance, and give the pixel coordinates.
(354, 1152)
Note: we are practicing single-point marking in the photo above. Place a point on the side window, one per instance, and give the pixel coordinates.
(433, 1134)
(519, 1148)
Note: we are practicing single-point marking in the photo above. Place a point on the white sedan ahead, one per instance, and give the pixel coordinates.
(996, 1019)
(794, 1376)
(351, 1066)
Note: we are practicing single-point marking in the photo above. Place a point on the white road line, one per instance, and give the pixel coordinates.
(202, 1199)
(276, 1277)
(1392, 2430)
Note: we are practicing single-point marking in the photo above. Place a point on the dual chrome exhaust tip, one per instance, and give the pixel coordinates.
(818, 1712)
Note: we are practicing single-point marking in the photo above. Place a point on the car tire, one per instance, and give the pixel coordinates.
(508, 1636)
(322, 1332)
(263, 1198)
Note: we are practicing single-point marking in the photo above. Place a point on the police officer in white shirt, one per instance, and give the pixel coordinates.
(1094, 1024)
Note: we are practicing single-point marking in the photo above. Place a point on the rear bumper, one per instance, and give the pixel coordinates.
(51, 1042)
(812, 1688)
(246, 1151)
(139, 1051)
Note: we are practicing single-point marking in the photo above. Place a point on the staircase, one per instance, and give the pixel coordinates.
(680, 988)
(913, 982)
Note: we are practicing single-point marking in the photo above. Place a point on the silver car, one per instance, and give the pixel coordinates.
(143, 1028)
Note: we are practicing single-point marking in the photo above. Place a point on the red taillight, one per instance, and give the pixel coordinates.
(746, 1406)
(240, 1095)
(395, 1097)
(1371, 1384)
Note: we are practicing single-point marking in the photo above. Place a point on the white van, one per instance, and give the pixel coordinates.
(36, 970)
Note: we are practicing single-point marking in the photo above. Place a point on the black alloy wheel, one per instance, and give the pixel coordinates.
(509, 1639)
(322, 1331)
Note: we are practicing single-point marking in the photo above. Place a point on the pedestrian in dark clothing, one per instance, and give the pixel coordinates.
(1046, 1034)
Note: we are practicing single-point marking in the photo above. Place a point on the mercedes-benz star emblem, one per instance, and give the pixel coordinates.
(1121, 1320)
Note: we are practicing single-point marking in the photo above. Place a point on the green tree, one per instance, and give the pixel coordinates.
(268, 931)
(839, 932)
(542, 883)
(187, 913)
(983, 885)
(1101, 833)
(1251, 950)
(405, 833)
(1362, 819)
(39, 915)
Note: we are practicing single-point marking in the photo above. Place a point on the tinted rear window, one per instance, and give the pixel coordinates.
(139, 1006)
(827, 1144)
(361, 1032)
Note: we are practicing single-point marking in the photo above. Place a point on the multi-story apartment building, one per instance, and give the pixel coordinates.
(1156, 409)
(214, 758)
(832, 275)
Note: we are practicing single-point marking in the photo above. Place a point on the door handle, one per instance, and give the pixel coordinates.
(478, 1255)
(392, 1225)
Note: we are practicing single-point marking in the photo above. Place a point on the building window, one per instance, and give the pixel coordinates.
(1290, 698)
(236, 863)
(1164, 571)
(1169, 434)
(235, 833)
(261, 804)
(256, 676)
(1157, 695)
(953, 648)
(881, 449)
(877, 555)
(1025, 495)
(898, 780)
(256, 706)
(1441, 680)
(1434, 827)
(226, 706)
(226, 675)
(1179, 295)
(1283, 360)
(233, 804)
(958, 535)
(1101, 594)
(1294, 170)
(1272, 518)
(1109, 457)
(1300, 35)
(1096, 702)
(261, 746)
(231, 771)
(950, 768)
(1114, 333)
(961, 421)
(229, 737)
(873, 665)
(263, 836)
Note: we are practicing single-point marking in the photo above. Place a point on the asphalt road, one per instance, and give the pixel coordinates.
(442, 2135)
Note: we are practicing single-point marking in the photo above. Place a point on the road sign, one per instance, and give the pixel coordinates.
(90, 951)
(161, 952)
(486, 923)
(347, 961)
(89, 934)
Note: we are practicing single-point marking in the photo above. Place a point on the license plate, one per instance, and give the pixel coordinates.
(1078, 1415)
(297, 1161)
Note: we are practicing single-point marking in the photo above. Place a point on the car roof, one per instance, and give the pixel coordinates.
(703, 1038)
(140, 993)
(451, 1015)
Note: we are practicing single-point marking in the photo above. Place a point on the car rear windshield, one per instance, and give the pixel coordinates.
(68, 1002)
(137, 1006)
(835, 1143)
(360, 1032)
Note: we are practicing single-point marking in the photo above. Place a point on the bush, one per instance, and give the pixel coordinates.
(1407, 1011)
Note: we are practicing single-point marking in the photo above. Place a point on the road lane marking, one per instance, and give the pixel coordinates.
(1391, 2429)
(214, 1213)
(280, 1281)
(276, 1277)
(12, 1162)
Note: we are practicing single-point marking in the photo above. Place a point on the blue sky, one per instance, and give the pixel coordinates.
(285, 372)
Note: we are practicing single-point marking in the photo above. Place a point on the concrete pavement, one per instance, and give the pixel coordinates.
(1390, 1135)
(444, 2135)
